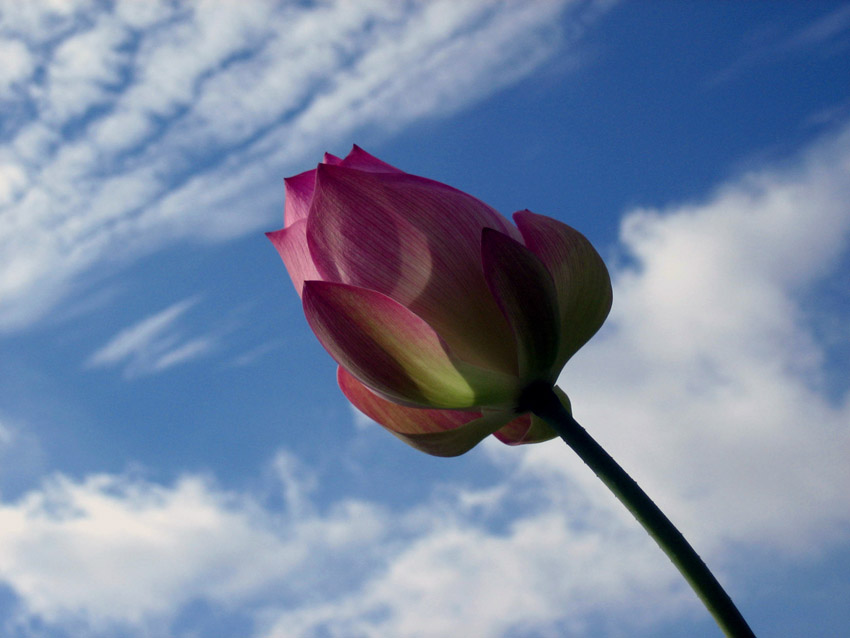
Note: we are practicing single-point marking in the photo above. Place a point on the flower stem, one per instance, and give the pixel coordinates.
(543, 402)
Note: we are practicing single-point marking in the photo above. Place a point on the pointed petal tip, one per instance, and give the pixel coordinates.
(362, 160)
(298, 178)
(524, 214)
(274, 236)
(325, 169)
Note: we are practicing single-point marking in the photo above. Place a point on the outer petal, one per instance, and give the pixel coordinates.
(363, 161)
(437, 432)
(529, 428)
(291, 244)
(396, 353)
(581, 278)
(329, 158)
(417, 241)
(298, 191)
(526, 295)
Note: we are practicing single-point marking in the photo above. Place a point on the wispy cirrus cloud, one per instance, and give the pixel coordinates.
(833, 28)
(153, 344)
(141, 123)
(828, 34)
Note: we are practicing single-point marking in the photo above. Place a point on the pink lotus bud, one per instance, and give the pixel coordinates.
(439, 311)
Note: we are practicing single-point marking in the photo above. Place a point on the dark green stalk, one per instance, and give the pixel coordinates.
(542, 401)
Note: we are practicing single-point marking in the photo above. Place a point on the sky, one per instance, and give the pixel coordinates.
(176, 459)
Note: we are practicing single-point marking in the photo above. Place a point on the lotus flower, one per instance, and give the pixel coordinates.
(439, 311)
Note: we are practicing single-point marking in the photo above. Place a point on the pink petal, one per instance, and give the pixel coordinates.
(363, 161)
(417, 241)
(291, 244)
(298, 191)
(529, 428)
(437, 432)
(526, 295)
(396, 353)
(328, 158)
(581, 278)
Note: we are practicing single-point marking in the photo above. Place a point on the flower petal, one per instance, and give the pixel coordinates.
(530, 428)
(526, 295)
(437, 432)
(291, 245)
(329, 158)
(417, 241)
(581, 278)
(298, 192)
(363, 161)
(396, 353)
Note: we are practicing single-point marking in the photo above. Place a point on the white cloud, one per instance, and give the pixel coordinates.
(12, 182)
(543, 574)
(112, 549)
(155, 122)
(710, 382)
(83, 71)
(17, 64)
(256, 353)
(153, 344)
(6, 436)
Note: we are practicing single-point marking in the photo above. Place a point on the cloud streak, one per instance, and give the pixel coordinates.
(153, 344)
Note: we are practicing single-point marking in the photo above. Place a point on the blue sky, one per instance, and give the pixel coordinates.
(175, 456)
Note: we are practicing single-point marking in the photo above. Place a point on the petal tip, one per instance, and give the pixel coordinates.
(274, 236)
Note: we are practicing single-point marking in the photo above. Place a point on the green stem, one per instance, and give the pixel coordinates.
(542, 401)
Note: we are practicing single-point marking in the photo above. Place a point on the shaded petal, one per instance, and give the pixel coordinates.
(363, 161)
(525, 429)
(291, 245)
(530, 428)
(298, 191)
(417, 241)
(581, 278)
(437, 432)
(396, 353)
(524, 290)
